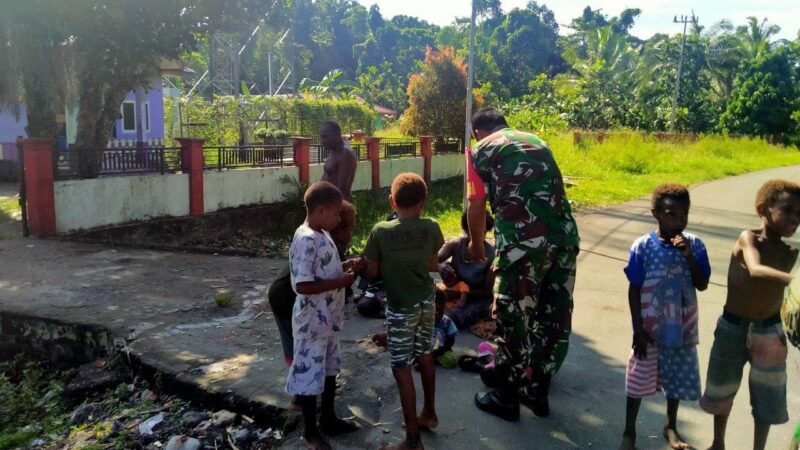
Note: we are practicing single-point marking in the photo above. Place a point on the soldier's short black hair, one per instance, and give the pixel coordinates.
(770, 191)
(409, 190)
(321, 194)
(675, 191)
(488, 119)
(331, 125)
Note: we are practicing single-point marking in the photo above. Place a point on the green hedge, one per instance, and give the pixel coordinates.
(218, 121)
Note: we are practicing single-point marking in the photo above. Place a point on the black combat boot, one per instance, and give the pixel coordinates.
(535, 396)
(501, 402)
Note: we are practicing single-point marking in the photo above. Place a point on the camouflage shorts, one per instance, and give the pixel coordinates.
(534, 313)
(410, 332)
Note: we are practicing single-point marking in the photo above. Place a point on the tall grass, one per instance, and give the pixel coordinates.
(627, 166)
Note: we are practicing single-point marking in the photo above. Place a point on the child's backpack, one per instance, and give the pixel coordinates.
(790, 314)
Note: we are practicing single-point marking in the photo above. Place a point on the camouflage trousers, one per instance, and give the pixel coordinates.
(533, 303)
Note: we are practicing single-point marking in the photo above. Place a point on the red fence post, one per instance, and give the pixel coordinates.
(427, 153)
(302, 157)
(374, 155)
(192, 163)
(37, 157)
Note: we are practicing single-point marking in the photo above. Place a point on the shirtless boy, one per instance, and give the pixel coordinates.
(750, 328)
(340, 167)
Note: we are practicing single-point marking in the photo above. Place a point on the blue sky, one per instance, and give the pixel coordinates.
(656, 15)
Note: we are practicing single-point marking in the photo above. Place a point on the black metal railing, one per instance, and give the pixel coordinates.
(91, 163)
(450, 146)
(360, 150)
(257, 155)
(397, 148)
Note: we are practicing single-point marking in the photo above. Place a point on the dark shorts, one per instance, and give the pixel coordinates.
(764, 347)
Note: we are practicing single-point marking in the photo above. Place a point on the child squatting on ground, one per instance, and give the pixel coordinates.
(750, 328)
(665, 268)
(403, 251)
(319, 279)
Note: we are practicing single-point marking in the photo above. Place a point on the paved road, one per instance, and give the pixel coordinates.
(588, 401)
(161, 304)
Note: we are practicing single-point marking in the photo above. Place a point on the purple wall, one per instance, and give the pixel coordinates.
(155, 97)
(10, 128)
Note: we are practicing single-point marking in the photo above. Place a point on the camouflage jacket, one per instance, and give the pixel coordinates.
(520, 177)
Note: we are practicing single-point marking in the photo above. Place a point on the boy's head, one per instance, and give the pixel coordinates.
(440, 305)
(408, 192)
(778, 205)
(343, 232)
(670, 207)
(323, 203)
(465, 225)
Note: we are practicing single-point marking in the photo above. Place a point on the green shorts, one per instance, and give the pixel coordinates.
(410, 332)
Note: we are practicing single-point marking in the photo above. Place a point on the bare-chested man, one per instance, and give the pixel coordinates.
(340, 167)
(750, 328)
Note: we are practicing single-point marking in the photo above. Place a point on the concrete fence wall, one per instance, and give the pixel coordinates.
(241, 187)
(84, 204)
(72, 205)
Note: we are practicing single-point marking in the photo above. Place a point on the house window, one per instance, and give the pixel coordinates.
(129, 116)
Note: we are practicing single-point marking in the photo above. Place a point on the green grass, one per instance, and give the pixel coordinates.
(626, 166)
(444, 204)
(622, 168)
(9, 206)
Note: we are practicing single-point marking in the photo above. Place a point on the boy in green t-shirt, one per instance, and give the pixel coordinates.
(403, 252)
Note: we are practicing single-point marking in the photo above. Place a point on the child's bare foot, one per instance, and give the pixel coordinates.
(405, 445)
(315, 441)
(628, 442)
(336, 426)
(427, 421)
(674, 439)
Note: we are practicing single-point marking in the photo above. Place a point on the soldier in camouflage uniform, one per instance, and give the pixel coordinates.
(536, 241)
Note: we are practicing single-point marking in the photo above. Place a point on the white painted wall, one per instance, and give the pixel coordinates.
(232, 188)
(390, 168)
(447, 166)
(362, 181)
(84, 204)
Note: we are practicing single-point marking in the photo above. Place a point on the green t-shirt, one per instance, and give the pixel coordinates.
(404, 249)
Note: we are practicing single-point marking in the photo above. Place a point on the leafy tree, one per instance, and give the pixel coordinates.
(437, 96)
(524, 46)
(764, 97)
(332, 85)
(725, 53)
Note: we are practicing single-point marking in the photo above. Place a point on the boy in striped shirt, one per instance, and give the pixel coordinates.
(665, 269)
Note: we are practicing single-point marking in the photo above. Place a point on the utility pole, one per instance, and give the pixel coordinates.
(470, 78)
(685, 20)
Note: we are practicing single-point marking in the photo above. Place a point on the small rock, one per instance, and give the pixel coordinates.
(38, 442)
(386, 431)
(192, 418)
(147, 394)
(203, 426)
(242, 436)
(223, 418)
(94, 376)
(82, 414)
(181, 442)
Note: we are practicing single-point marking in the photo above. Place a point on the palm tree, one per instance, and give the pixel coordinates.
(726, 51)
(756, 36)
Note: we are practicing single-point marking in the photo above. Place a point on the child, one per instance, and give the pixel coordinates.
(795, 438)
(281, 296)
(665, 268)
(750, 328)
(470, 282)
(319, 279)
(444, 337)
(403, 251)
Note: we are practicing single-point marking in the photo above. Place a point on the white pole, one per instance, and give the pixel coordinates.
(470, 76)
